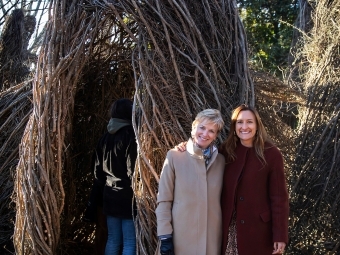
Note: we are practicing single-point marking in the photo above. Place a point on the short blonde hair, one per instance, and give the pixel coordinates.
(211, 115)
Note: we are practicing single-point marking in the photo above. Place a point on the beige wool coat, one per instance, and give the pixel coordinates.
(188, 201)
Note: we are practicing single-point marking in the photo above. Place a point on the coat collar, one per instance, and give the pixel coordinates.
(197, 153)
(194, 150)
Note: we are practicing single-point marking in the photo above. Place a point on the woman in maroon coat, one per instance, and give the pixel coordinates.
(254, 198)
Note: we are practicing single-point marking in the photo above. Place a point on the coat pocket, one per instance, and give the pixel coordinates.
(266, 216)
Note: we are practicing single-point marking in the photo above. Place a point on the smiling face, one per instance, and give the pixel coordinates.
(204, 133)
(245, 127)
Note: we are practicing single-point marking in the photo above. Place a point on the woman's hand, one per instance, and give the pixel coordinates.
(181, 147)
(279, 247)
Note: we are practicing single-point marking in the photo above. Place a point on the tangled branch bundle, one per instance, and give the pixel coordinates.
(186, 56)
(174, 58)
(189, 55)
(15, 109)
(315, 176)
(39, 190)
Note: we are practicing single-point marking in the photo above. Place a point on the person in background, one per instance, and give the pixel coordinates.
(115, 157)
(188, 209)
(255, 206)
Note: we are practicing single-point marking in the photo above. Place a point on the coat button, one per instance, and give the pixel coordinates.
(241, 198)
(242, 221)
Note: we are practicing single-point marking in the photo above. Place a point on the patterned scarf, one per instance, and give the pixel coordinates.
(207, 153)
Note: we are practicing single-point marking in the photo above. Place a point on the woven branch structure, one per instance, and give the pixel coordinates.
(174, 59)
(40, 195)
(315, 175)
(15, 105)
(185, 56)
(189, 55)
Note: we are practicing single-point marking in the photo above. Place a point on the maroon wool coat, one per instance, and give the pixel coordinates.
(259, 195)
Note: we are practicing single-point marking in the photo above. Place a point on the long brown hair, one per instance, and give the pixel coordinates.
(229, 145)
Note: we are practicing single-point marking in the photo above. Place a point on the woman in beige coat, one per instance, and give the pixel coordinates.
(188, 203)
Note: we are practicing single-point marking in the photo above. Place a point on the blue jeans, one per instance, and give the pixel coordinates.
(121, 235)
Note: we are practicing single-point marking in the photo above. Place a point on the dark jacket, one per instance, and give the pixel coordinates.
(259, 195)
(115, 158)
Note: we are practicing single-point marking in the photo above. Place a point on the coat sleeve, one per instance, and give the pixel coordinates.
(165, 198)
(131, 156)
(278, 197)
